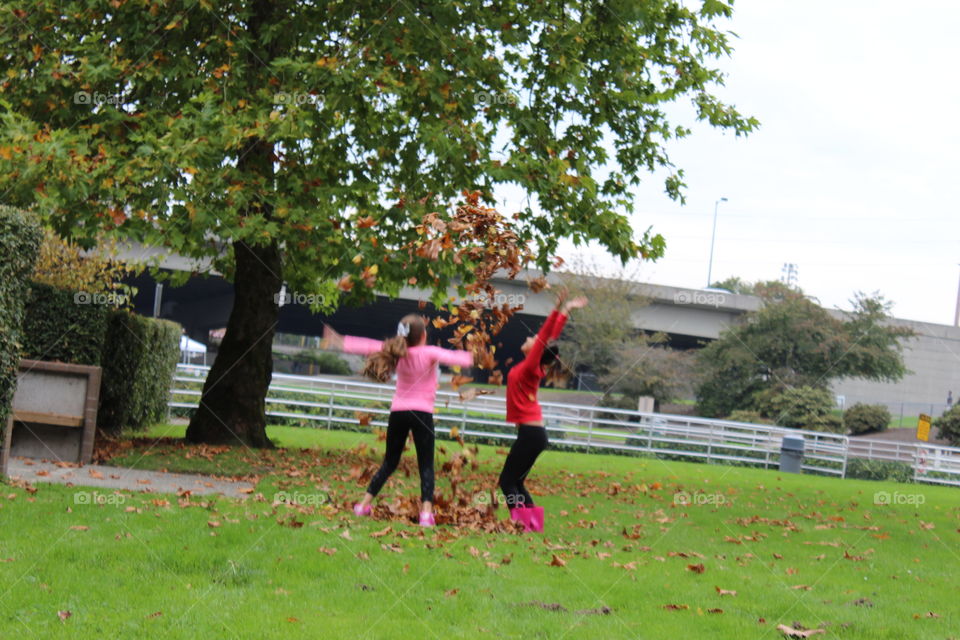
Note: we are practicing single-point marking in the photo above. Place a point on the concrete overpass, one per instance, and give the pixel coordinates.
(688, 316)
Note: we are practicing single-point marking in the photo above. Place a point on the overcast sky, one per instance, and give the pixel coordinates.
(853, 175)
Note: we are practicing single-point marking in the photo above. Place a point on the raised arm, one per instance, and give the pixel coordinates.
(544, 336)
(564, 312)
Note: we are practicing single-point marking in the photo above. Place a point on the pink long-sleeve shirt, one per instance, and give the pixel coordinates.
(416, 371)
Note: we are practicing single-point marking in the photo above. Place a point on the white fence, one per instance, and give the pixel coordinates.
(328, 402)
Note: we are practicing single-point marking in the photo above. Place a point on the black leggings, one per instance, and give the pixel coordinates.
(398, 426)
(530, 443)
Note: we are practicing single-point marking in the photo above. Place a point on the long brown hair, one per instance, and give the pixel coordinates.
(555, 372)
(382, 364)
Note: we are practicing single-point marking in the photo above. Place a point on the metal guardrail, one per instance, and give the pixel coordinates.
(330, 401)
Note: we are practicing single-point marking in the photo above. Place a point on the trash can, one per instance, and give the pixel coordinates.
(791, 454)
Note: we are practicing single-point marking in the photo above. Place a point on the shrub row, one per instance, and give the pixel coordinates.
(19, 244)
(139, 359)
(138, 355)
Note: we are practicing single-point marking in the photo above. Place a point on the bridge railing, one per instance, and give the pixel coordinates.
(333, 402)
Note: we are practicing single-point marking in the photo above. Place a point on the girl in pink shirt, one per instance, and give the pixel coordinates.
(415, 364)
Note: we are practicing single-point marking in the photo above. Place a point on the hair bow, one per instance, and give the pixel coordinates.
(403, 330)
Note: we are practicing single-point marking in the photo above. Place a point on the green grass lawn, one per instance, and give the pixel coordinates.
(633, 535)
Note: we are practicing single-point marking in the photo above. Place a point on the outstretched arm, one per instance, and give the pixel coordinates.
(452, 357)
(349, 344)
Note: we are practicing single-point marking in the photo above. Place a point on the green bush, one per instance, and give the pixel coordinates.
(745, 415)
(808, 408)
(139, 359)
(879, 470)
(19, 244)
(866, 418)
(62, 325)
(322, 361)
(949, 425)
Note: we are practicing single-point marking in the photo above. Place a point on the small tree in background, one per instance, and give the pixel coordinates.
(599, 339)
(628, 363)
(652, 370)
(734, 284)
(948, 426)
(792, 342)
(65, 265)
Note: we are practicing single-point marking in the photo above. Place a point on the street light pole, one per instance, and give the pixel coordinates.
(956, 316)
(713, 237)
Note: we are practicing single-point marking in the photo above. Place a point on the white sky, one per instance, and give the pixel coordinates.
(853, 174)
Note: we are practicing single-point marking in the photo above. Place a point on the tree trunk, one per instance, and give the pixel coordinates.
(232, 405)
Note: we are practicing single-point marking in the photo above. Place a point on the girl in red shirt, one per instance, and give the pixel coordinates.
(523, 409)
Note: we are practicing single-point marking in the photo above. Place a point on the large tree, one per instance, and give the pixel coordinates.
(301, 142)
(791, 343)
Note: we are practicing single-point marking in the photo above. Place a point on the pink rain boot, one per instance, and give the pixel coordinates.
(361, 510)
(522, 515)
(427, 519)
(536, 518)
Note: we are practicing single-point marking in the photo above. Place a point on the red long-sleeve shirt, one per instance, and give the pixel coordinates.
(524, 378)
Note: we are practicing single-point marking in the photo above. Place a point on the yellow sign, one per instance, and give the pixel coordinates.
(923, 428)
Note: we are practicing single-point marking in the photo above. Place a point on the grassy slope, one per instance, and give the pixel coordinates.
(159, 569)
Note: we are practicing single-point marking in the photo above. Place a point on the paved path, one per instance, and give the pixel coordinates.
(104, 477)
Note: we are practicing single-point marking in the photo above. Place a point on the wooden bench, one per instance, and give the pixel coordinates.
(54, 414)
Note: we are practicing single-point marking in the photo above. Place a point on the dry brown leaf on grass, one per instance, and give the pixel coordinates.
(696, 568)
(725, 592)
(600, 611)
(451, 593)
(549, 606)
(557, 561)
(327, 550)
(676, 607)
(791, 632)
(63, 615)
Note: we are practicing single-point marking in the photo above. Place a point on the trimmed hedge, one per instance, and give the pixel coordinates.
(865, 469)
(800, 408)
(60, 326)
(323, 362)
(866, 418)
(20, 237)
(139, 359)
